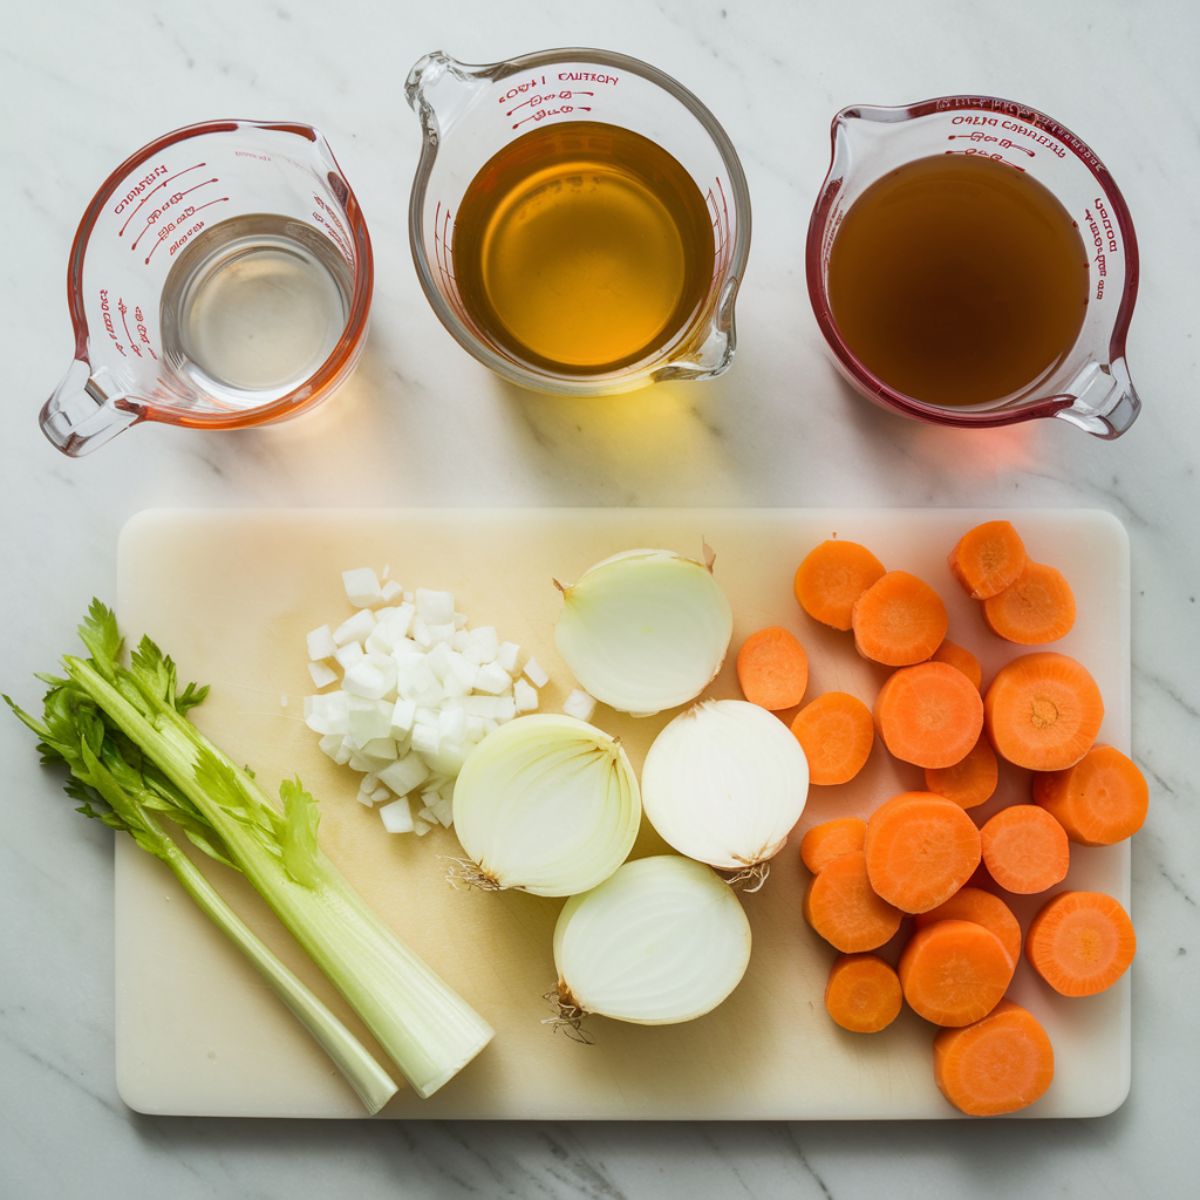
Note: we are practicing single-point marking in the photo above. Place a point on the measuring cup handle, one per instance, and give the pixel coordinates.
(1104, 401)
(81, 415)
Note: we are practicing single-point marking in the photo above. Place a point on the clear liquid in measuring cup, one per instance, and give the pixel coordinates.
(252, 307)
(582, 247)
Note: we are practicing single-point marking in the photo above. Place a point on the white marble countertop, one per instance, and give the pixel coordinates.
(422, 424)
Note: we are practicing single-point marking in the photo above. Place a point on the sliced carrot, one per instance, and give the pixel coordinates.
(970, 782)
(954, 972)
(842, 907)
(961, 659)
(1081, 943)
(929, 715)
(863, 993)
(988, 559)
(899, 620)
(832, 577)
(772, 669)
(984, 908)
(920, 849)
(1043, 711)
(1038, 608)
(998, 1065)
(1025, 849)
(1101, 800)
(837, 733)
(831, 839)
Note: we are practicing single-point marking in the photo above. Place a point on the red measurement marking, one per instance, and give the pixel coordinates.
(171, 200)
(540, 99)
(123, 308)
(193, 167)
(442, 239)
(170, 228)
(995, 157)
(1003, 143)
(543, 113)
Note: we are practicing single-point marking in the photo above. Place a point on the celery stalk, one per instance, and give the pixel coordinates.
(424, 1027)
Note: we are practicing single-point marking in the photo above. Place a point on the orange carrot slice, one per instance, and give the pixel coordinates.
(961, 659)
(988, 559)
(772, 669)
(998, 1065)
(831, 839)
(899, 620)
(1099, 801)
(984, 908)
(837, 733)
(832, 577)
(1025, 849)
(920, 849)
(1038, 608)
(842, 907)
(1081, 943)
(954, 972)
(970, 782)
(1043, 711)
(863, 993)
(929, 715)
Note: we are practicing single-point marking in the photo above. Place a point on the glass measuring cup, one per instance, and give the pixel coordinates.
(153, 275)
(1090, 387)
(469, 112)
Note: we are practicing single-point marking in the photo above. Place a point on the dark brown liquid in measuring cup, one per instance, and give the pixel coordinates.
(958, 280)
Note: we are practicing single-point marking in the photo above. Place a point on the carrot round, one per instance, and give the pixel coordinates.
(920, 849)
(929, 715)
(772, 669)
(832, 577)
(954, 972)
(837, 733)
(1038, 608)
(1043, 711)
(1025, 849)
(863, 993)
(984, 908)
(970, 782)
(998, 1065)
(1099, 801)
(844, 909)
(899, 620)
(1081, 943)
(831, 839)
(961, 659)
(988, 559)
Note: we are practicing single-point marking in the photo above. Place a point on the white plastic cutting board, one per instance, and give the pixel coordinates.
(230, 596)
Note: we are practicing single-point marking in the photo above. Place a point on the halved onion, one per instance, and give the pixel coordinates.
(644, 630)
(725, 782)
(661, 941)
(546, 804)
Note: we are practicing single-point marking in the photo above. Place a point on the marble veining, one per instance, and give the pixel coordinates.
(420, 423)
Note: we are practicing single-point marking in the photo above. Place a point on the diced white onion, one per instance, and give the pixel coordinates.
(663, 940)
(579, 705)
(645, 630)
(397, 816)
(362, 587)
(536, 673)
(320, 643)
(546, 804)
(724, 783)
(525, 696)
(355, 628)
(322, 674)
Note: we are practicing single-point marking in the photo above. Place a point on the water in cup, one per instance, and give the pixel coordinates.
(253, 306)
(958, 280)
(583, 247)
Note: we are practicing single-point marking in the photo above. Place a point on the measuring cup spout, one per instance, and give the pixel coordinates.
(713, 354)
(440, 89)
(83, 414)
(1104, 402)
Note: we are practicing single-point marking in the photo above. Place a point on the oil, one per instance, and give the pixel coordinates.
(580, 248)
(958, 280)
(253, 306)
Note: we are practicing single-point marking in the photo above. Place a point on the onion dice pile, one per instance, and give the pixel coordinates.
(418, 689)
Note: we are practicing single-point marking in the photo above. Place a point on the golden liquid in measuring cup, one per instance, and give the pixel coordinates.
(582, 247)
(958, 280)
